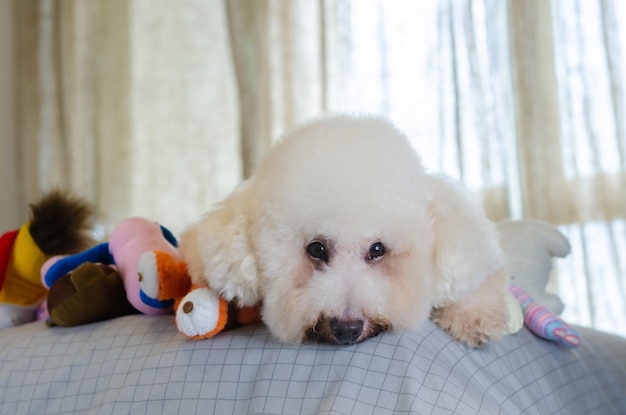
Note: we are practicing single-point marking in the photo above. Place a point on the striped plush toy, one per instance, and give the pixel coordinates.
(543, 322)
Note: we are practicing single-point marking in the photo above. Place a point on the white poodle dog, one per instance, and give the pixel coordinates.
(341, 234)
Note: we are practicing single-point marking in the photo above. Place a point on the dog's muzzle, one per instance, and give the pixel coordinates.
(344, 330)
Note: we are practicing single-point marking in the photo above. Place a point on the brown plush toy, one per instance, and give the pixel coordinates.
(96, 290)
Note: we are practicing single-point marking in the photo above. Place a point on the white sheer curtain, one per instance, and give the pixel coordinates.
(131, 103)
(158, 108)
(590, 67)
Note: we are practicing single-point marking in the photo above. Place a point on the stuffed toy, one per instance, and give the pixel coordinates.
(543, 322)
(146, 261)
(529, 247)
(202, 313)
(59, 223)
(138, 270)
(90, 293)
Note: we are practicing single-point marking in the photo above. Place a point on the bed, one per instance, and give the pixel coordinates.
(141, 365)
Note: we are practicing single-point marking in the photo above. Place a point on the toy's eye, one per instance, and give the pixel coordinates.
(318, 251)
(377, 250)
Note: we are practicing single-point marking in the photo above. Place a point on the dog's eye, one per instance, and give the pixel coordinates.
(317, 250)
(377, 250)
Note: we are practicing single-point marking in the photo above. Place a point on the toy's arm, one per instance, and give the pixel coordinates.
(99, 253)
(543, 322)
(169, 236)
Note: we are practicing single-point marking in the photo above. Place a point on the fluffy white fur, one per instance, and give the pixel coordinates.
(348, 183)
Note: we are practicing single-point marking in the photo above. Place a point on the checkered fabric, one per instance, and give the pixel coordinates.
(142, 365)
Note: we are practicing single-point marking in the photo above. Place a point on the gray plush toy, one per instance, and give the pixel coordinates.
(530, 246)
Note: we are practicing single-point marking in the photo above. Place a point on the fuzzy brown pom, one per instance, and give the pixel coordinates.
(61, 223)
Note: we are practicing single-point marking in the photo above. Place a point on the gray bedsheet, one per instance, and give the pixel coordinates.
(142, 365)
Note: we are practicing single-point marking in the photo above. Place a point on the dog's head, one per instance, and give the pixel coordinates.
(337, 233)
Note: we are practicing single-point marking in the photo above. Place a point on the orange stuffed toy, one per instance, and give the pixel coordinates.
(202, 313)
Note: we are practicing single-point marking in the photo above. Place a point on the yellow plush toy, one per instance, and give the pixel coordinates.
(21, 283)
(59, 224)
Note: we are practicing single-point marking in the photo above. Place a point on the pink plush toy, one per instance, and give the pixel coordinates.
(146, 258)
(155, 281)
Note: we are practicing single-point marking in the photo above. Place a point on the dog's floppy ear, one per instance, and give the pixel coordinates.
(218, 251)
(466, 249)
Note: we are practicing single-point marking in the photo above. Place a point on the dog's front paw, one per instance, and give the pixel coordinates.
(473, 326)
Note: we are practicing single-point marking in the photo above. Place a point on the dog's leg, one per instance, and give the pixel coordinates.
(479, 317)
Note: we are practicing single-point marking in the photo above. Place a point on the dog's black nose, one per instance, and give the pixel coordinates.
(346, 331)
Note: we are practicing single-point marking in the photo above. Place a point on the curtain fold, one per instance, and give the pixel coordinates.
(131, 104)
(11, 206)
(277, 50)
(71, 92)
(184, 135)
(248, 34)
(474, 88)
(589, 68)
(27, 27)
(108, 68)
(570, 137)
(537, 112)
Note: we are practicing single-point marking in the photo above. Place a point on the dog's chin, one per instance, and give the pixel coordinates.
(344, 330)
